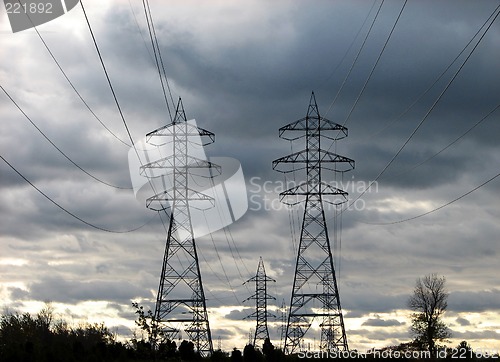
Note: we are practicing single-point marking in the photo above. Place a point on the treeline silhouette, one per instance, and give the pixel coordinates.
(39, 338)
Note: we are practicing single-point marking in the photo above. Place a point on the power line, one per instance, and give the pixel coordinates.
(157, 54)
(450, 144)
(67, 211)
(57, 148)
(426, 115)
(437, 79)
(229, 237)
(355, 59)
(108, 79)
(159, 62)
(291, 208)
(122, 117)
(373, 68)
(139, 28)
(71, 83)
(119, 109)
(112, 90)
(375, 65)
(437, 208)
(353, 41)
(338, 215)
(218, 257)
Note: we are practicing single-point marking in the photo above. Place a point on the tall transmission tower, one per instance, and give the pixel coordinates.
(181, 300)
(315, 295)
(261, 297)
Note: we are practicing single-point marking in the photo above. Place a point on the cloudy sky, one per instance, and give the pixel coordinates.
(243, 71)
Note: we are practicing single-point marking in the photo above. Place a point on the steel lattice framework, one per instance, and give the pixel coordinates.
(261, 297)
(181, 300)
(315, 294)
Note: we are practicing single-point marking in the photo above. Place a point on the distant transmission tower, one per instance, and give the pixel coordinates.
(315, 296)
(261, 297)
(180, 301)
(282, 328)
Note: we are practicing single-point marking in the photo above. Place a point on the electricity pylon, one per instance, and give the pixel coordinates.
(315, 295)
(181, 299)
(282, 328)
(261, 297)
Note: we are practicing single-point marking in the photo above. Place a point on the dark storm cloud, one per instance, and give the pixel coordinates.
(189, 59)
(244, 71)
(475, 301)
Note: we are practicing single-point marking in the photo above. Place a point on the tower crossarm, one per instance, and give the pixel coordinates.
(257, 296)
(325, 125)
(180, 127)
(165, 198)
(162, 135)
(255, 314)
(304, 157)
(171, 162)
(260, 278)
(328, 193)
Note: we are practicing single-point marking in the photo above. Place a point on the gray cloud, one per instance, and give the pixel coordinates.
(462, 322)
(478, 301)
(378, 322)
(486, 334)
(379, 335)
(68, 291)
(239, 314)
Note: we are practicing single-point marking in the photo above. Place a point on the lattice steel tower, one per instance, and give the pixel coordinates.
(261, 297)
(315, 296)
(180, 302)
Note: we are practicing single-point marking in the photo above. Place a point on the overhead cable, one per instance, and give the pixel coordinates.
(57, 148)
(449, 144)
(426, 115)
(157, 55)
(66, 210)
(73, 86)
(352, 42)
(437, 79)
(355, 59)
(437, 208)
(107, 77)
(375, 65)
